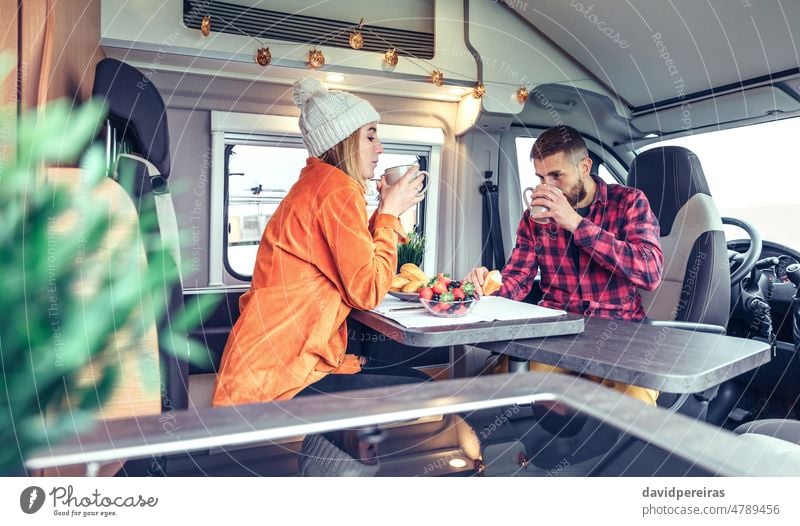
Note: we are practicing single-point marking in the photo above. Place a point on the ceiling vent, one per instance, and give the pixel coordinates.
(273, 25)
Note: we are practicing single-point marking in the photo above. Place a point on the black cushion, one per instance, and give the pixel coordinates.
(668, 176)
(136, 109)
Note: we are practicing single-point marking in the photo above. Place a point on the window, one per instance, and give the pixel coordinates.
(751, 175)
(527, 175)
(257, 158)
(260, 176)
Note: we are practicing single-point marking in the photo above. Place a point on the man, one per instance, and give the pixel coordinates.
(599, 247)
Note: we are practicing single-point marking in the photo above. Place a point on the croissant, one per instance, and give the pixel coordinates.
(398, 282)
(414, 286)
(413, 273)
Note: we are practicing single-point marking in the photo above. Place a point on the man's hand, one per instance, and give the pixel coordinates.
(561, 211)
(477, 276)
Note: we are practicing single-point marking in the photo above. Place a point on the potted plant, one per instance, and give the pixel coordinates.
(412, 251)
(50, 329)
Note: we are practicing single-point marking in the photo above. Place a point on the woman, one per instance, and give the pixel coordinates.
(319, 258)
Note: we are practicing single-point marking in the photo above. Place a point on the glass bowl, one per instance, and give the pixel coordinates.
(452, 309)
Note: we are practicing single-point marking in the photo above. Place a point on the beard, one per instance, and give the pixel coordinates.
(576, 194)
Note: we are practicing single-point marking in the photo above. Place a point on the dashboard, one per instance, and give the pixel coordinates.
(778, 290)
(780, 268)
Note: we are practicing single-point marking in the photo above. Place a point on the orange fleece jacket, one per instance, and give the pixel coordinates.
(319, 258)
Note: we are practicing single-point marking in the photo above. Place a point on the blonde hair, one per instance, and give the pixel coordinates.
(344, 156)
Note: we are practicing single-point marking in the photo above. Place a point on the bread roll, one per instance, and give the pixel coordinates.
(413, 273)
(398, 282)
(414, 286)
(492, 283)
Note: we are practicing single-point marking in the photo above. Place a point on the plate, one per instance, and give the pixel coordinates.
(405, 296)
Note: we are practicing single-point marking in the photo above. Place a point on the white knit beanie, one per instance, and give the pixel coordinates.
(328, 117)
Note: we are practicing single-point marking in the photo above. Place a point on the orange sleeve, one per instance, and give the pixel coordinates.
(389, 220)
(363, 263)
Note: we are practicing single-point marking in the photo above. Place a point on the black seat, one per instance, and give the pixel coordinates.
(695, 290)
(696, 285)
(137, 120)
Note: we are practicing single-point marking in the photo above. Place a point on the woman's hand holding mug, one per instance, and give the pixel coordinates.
(401, 187)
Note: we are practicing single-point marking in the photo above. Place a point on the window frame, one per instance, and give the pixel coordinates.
(273, 130)
(237, 139)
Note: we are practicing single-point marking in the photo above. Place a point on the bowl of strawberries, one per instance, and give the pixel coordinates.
(447, 298)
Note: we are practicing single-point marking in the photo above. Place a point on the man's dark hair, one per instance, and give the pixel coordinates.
(559, 139)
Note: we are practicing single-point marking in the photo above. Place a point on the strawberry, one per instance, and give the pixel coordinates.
(444, 278)
(459, 294)
(426, 293)
(439, 288)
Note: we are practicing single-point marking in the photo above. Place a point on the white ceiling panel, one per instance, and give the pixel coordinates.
(655, 51)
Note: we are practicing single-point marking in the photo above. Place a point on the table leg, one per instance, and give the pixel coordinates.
(456, 369)
(517, 365)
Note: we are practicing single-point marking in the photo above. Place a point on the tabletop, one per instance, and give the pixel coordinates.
(470, 333)
(662, 358)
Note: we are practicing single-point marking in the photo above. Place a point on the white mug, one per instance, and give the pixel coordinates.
(536, 209)
(394, 174)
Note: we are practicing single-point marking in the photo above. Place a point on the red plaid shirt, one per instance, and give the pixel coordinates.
(619, 251)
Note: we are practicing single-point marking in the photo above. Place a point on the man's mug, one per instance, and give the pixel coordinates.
(395, 173)
(535, 209)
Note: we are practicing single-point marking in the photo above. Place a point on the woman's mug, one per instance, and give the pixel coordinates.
(395, 173)
(535, 209)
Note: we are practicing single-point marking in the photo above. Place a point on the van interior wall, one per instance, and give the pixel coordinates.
(510, 187)
(67, 69)
(190, 98)
(8, 85)
(478, 152)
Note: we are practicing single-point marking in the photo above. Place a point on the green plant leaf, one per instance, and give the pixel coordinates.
(413, 250)
(66, 295)
(60, 133)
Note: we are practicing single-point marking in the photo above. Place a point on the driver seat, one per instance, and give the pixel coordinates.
(695, 289)
(696, 283)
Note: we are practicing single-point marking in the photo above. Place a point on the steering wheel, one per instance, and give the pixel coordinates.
(742, 263)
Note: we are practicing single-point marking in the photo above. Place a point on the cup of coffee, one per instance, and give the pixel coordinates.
(535, 209)
(395, 173)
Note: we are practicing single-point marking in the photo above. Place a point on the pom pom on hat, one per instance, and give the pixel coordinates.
(328, 117)
(306, 88)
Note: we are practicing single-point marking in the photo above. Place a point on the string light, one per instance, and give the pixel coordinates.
(263, 56)
(316, 59)
(390, 57)
(356, 38)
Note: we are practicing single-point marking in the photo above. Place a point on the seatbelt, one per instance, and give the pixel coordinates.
(165, 211)
(176, 370)
(493, 253)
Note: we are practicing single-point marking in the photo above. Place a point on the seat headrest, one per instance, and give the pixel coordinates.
(135, 106)
(669, 176)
